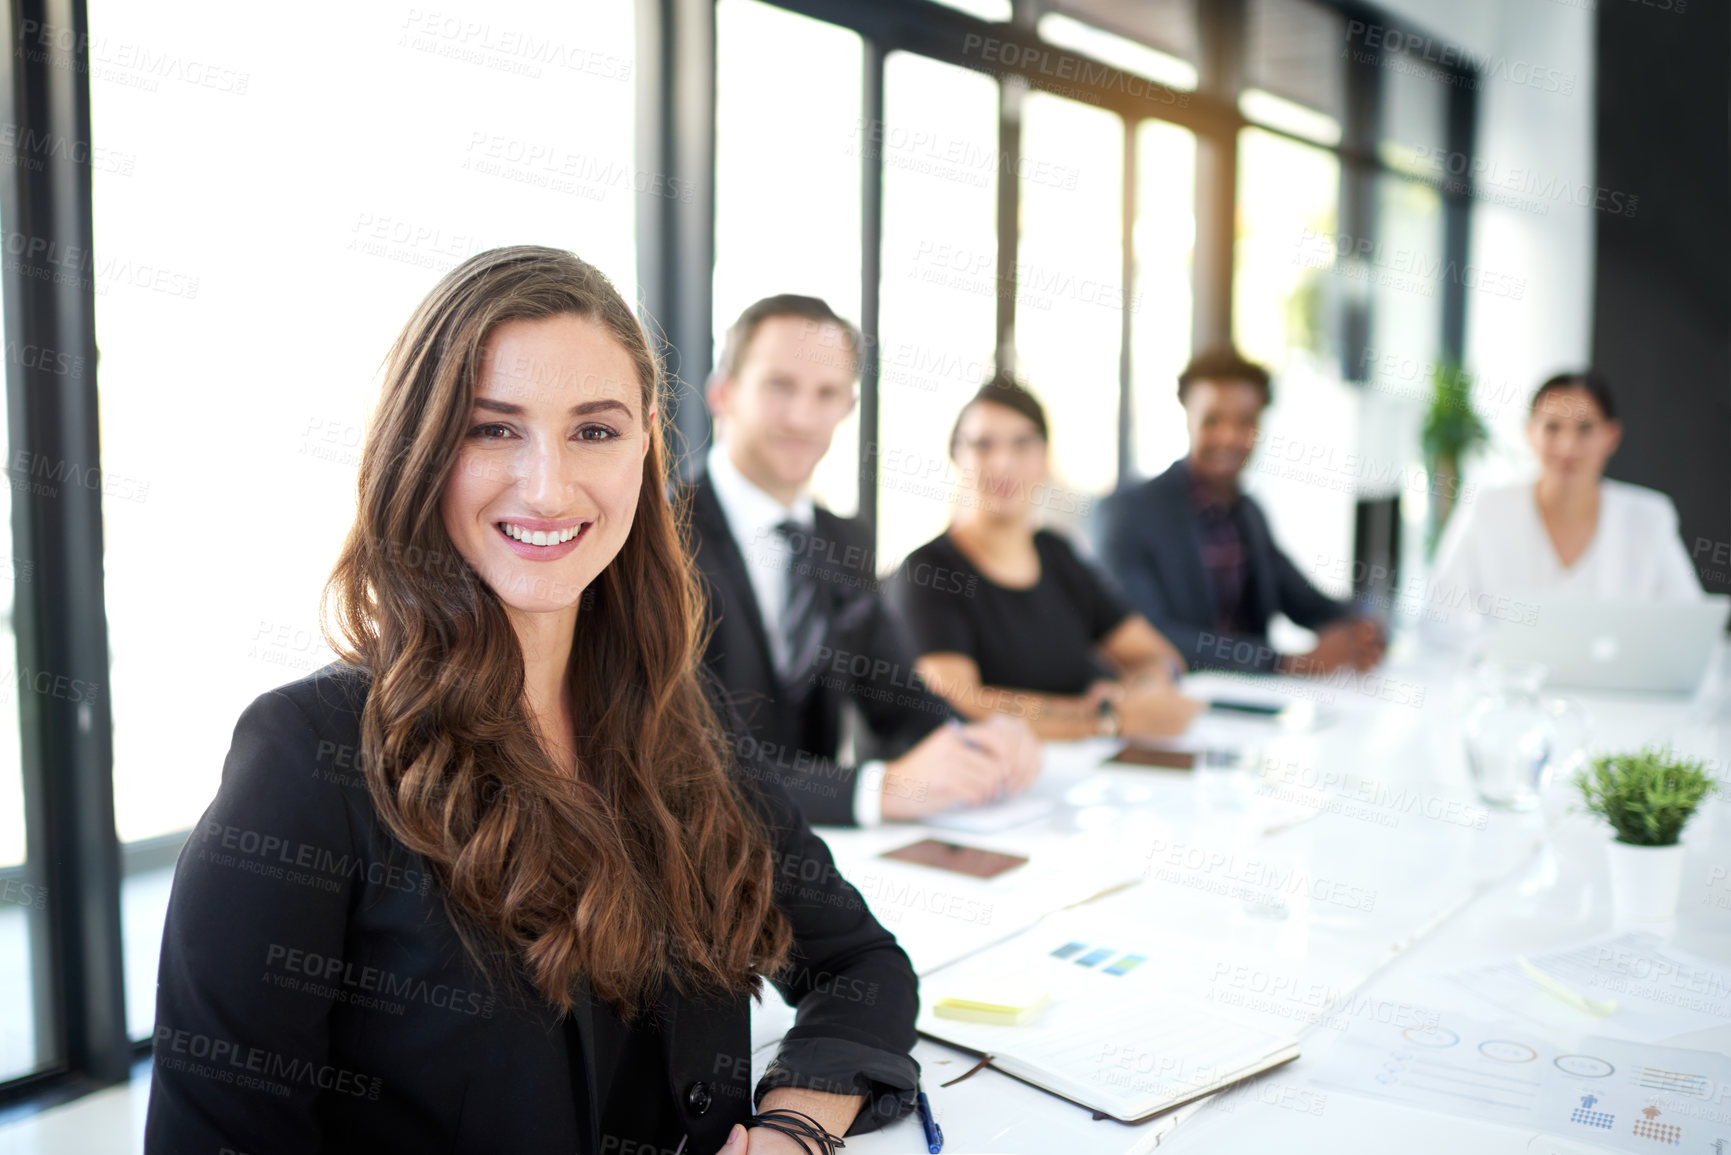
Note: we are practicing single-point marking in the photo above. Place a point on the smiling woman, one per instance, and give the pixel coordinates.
(514, 785)
(1036, 630)
(560, 463)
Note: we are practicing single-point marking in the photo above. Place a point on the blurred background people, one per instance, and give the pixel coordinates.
(800, 627)
(1573, 531)
(1193, 551)
(1006, 616)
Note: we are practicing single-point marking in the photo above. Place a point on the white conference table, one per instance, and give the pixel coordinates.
(1372, 795)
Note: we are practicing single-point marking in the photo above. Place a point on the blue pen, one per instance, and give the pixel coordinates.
(962, 733)
(934, 1134)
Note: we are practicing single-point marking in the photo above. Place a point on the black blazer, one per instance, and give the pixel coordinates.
(1151, 541)
(865, 658)
(313, 996)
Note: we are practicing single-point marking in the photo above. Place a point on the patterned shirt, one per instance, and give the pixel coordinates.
(1224, 559)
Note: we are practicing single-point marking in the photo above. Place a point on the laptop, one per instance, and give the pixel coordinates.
(1618, 644)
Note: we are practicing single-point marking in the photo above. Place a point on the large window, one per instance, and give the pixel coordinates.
(267, 237)
(1085, 313)
(1070, 291)
(788, 135)
(1287, 285)
(940, 284)
(1160, 299)
(1408, 344)
(26, 1042)
(1284, 282)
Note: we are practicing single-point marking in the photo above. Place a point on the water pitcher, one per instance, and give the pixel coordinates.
(1516, 738)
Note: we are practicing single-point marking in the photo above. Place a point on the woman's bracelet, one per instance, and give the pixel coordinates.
(799, 1126)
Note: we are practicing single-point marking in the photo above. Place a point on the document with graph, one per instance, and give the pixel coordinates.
(1101, 1021)
(1613, 1093)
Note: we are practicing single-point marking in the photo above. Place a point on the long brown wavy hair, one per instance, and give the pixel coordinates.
(648, 865)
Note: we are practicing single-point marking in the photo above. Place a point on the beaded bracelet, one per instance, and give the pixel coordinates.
(798, 1126)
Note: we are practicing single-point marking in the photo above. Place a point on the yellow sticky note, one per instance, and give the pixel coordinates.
(1008, 1008)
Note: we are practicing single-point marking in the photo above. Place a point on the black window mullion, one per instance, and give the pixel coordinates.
(1376, 521)
(1358, 199)
(1127, 311)
(676, 235)
(1457, 198)
(62, 676)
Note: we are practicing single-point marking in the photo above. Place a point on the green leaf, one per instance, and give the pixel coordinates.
(1647, 797)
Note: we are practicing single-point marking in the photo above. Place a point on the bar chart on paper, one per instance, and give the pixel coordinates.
(1610, 1092)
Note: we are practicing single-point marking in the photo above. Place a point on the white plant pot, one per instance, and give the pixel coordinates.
(1645, 882)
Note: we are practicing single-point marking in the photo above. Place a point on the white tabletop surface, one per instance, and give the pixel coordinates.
(1368, 800)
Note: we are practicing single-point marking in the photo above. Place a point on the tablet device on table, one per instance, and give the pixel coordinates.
(972, 861)
(1152, 756)
(1168, 758)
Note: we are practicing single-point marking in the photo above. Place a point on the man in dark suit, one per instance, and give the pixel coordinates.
(799, 625)
(1194, 554)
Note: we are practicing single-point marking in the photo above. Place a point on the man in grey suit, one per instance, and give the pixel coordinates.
(1194, 553)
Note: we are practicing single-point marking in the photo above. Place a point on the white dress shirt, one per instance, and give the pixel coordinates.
(752, 516)
(1496, 547)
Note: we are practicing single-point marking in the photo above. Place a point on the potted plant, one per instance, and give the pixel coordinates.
(1647, 798)
(1451, 429)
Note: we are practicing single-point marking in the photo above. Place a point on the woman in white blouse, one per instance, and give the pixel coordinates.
(1572, 532)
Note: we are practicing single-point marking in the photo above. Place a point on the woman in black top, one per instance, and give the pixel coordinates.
(1007, 618)
(495, 880)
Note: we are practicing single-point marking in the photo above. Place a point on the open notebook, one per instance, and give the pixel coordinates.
(1120, 1034)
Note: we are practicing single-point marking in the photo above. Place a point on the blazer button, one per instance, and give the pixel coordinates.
(697, 1098)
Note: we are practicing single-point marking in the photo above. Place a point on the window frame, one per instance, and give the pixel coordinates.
(66, 753)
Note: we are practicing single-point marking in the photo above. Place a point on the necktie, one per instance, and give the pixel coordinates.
(802, 624)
